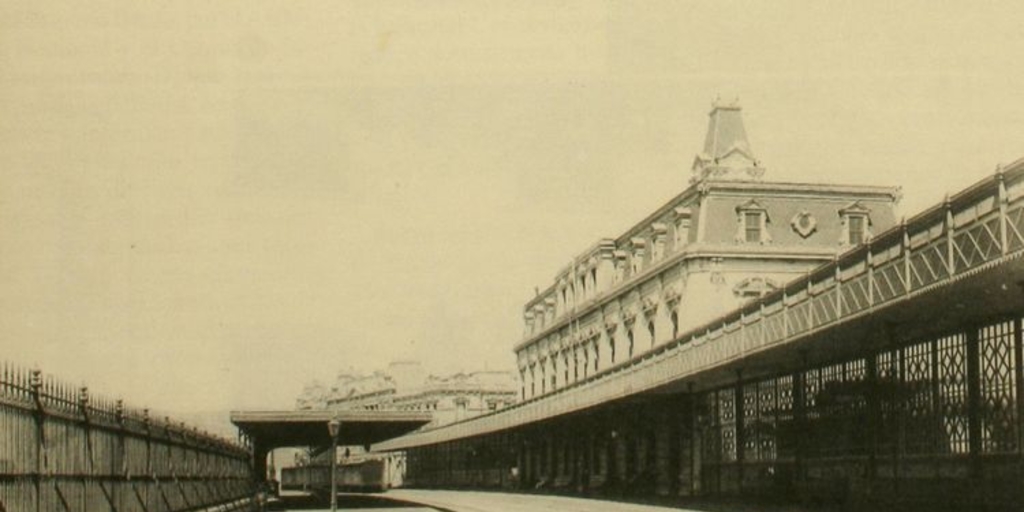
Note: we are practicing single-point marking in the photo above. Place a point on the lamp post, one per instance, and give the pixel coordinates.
(332, 427)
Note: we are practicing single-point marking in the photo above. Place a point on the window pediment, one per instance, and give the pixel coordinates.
(855, 226)
(752, 223)
(754, 287)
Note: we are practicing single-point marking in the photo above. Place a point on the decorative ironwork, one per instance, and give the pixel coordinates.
(978, 243)
(918, 390)
(760, 409)
(727, 423)
(887, 283)
(784, 448)
(998, 389)
(824, 307)
(855, 295)
(750, 417)
(1015, 229)
(952, 378)
(712, 440)
(774, 327)
(928, 264)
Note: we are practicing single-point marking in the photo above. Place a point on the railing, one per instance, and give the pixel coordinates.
(64, 450)
(982, 225)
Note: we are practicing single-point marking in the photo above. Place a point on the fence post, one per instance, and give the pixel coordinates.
(119, 451)
(35, 384)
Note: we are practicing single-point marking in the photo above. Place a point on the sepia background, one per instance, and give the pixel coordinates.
(204, 205)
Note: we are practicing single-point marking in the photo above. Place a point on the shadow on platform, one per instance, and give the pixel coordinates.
(345, 502)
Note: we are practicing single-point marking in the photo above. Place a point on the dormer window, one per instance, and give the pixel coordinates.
(659, 235)
(856, 224)
(752, 220)
(857, 229)
(683, 216)
(752, 226)
(639, 251)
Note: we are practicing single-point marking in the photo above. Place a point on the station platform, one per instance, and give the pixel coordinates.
(475, 501)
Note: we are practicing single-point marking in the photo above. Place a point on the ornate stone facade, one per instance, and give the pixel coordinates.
(727, 238)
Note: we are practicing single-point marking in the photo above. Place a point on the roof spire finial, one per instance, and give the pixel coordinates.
(727, 154)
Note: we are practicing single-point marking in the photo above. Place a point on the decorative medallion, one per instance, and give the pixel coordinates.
(804, 223)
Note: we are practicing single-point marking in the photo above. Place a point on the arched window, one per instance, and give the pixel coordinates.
(629, 336)
(675, 324)
(650, 329)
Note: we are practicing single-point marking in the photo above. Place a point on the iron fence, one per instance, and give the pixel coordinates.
(64, 450)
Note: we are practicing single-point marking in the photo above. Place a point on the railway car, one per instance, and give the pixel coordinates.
(364, 476)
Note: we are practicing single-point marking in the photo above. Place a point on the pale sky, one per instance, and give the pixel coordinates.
(204, 205)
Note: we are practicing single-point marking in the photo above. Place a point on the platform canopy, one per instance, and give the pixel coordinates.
(278, 429)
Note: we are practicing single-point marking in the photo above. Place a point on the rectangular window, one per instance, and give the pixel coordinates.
(752, 225)
(856, 225)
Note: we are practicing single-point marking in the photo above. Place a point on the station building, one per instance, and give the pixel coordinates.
(405, 386)
(729, 237)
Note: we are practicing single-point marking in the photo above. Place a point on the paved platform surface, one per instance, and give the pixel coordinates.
(415, 500)
(471, 501)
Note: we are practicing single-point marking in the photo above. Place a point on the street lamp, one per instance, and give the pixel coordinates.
(332, 427)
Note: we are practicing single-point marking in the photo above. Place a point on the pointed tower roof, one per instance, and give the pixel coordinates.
(727, 154)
